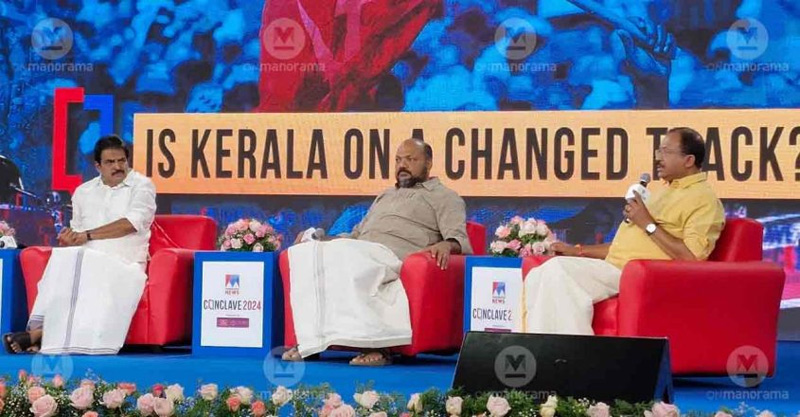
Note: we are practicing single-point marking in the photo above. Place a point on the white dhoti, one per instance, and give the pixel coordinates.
(347, 292)
(561, 293)
(86, 301)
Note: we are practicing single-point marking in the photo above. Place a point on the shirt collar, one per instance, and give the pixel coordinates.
(688, 181)
(431, 183)
(127, 182)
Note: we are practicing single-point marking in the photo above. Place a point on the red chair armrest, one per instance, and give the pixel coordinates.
(531, 262)
(436, 301)
(169, 283)
(707, 308)
(33, 261)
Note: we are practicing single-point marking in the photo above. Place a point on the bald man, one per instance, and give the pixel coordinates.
(347, 291)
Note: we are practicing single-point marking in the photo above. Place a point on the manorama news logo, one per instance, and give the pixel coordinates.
(498, 292)
(232, 284)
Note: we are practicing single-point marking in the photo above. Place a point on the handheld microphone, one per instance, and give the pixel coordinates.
(640, 188)
(313, 234)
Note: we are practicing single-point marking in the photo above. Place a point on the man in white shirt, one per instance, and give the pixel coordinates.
(92, 285)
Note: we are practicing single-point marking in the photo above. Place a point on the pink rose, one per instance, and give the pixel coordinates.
(226, 244)
(114, 398)
(514, 245)
(599, 410)
(128, 387)
(2, 405)
(2, 389)
(259, 409)
(163, 407)
(82, 398)
(230, 230)
(34, 393)
(91, 414)
(241, 225)
(22, 375)
(526, 251)
(34, 380)
(58, 381)
(661, 409)
(325, 411)
(502, 232)
(260, 233)
(249, 239)
(517, 220)
(334, 400)
(146, 404)
(497, 406)
(87, 383)
(209, 392)
(44, 407)
(234, 402)
(157, 390)
(343, 411)
(722, 414)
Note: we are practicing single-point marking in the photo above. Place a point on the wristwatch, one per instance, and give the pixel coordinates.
(650, 229)
(88, 235)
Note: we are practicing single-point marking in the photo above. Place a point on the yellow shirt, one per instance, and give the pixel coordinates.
(687, 209)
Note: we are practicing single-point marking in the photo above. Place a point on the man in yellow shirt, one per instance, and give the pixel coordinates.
(681, 222)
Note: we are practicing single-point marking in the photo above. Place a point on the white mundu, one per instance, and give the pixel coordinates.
(88, 294)
(347, 292)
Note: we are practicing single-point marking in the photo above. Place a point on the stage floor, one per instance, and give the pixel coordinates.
(780, 394)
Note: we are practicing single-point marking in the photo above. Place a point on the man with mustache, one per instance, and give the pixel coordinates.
(92, 285)
(682, 221)
(347, 291)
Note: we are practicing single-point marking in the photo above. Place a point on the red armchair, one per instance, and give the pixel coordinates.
(164, 315)
(706, 309)
(435, 297)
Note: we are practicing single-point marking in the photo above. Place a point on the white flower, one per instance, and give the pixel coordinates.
(258, 248)
(542, 229)
(497, 406)
(174, 393)
(209, 392)
(245, 394)
(498, 246)
(367, 399)
(453, 405)
(548, 409)
(236, 243)
(281, 396)
(766, 413)
(254, 226)
(415, 403)
(527, 228)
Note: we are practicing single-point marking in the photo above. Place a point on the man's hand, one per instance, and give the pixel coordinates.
(564, 249)
(637, 212)
(299, 237)
(69, 237)
(440, 252)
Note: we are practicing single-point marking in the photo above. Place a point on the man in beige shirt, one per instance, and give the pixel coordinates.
(347, 291)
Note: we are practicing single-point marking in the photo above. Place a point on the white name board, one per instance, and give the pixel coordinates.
(496, 299)
(232, 312)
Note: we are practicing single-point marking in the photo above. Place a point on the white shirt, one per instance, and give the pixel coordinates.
(95, 204)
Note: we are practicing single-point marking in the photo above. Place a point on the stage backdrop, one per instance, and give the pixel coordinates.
(359, 71)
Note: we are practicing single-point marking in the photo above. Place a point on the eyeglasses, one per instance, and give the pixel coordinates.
(661, 152)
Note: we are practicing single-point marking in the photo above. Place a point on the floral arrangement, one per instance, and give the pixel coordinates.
(6, 230)
(31, 396)
(522, 238)
(250, 235)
